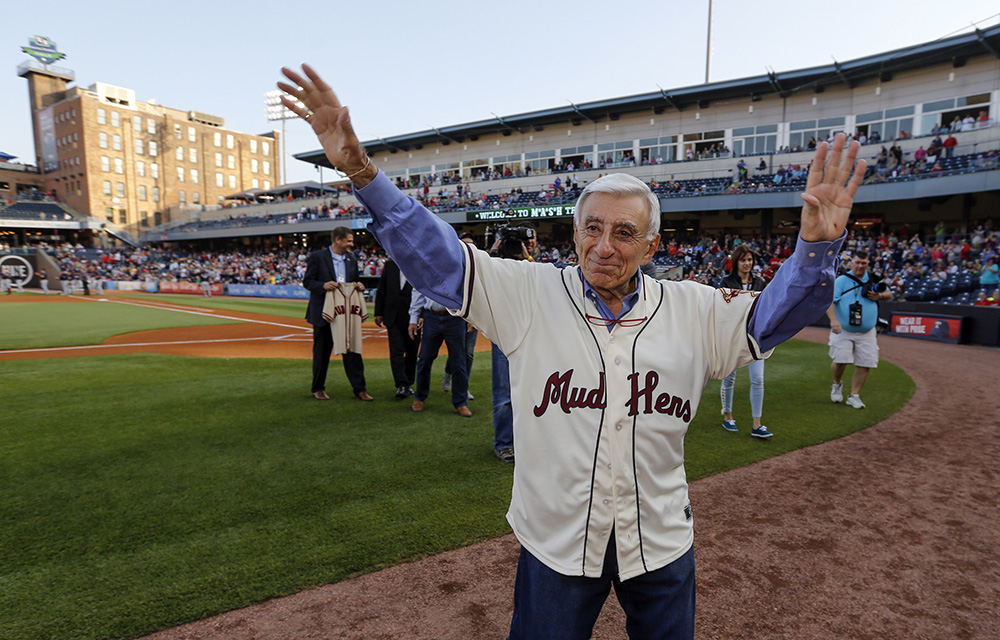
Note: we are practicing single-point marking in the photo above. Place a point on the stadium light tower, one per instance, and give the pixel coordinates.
(708, 46)
(278, 111)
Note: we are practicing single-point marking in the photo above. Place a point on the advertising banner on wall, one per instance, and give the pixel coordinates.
(19, 270)
(554, 211)
(188, 287)
(927, 326)
(125, 285)
(268, 290)
(47, 128)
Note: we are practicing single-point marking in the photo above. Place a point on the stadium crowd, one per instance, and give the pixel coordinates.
(900, 257)
(282, 266)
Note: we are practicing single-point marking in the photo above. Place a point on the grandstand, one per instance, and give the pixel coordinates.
(726, 159)
(687, 143)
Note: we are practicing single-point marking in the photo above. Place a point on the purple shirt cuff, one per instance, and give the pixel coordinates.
(800, 292)
(424, 246)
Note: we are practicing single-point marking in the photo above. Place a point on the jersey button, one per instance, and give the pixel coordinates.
(618, 359)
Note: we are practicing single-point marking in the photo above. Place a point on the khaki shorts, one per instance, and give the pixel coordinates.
(859, 349)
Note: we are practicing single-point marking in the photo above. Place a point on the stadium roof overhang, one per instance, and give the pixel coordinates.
(955, 50)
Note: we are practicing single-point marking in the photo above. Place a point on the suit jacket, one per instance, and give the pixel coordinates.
(319, 270)
(732, 281)
(392, 302)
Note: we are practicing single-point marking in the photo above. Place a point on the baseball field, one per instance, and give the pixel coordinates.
(164, 462)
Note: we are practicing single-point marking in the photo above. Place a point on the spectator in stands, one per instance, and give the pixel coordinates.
(742, 278)
(990, 275)
(949, 146)
(895, 155)
(853, 316)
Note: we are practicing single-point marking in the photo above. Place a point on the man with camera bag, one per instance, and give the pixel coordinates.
(853, 316)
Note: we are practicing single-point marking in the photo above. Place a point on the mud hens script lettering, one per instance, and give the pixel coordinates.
(560, 393)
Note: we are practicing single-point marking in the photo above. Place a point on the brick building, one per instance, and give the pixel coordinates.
(138, 164)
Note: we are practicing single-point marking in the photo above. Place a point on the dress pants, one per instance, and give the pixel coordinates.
(659, 605)
(451, 331)
(402, 354)
(354, 365)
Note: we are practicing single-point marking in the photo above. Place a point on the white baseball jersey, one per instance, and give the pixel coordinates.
(600, 417)
(345, 313)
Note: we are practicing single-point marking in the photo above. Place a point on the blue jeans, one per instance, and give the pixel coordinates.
(503, 415)
(470, 353)
(658, 605)
(451, 331)
(756, 369)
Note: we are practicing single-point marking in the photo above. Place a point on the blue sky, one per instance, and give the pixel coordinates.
(410, 66)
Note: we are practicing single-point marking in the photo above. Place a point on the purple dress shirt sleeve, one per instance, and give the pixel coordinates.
(800, 292)
(424, 246)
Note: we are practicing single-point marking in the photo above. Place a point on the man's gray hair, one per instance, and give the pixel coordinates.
(622, 184)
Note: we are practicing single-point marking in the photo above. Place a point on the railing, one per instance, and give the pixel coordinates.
(34, 65)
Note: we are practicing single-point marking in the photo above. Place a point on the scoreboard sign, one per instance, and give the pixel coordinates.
(927, 326)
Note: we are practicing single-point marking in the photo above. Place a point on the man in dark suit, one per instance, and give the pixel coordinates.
(326, 270)
(392, 304)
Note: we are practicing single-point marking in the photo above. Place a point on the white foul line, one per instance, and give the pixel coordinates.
(131, 344)
(210, 315)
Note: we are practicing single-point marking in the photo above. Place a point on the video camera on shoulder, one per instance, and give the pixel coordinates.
(513, 239)
(875, 284)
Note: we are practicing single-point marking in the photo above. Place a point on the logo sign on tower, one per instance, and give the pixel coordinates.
(16, 269)
(42, 49)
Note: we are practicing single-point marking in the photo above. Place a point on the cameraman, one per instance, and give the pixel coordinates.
(512, 244)
(853, 317)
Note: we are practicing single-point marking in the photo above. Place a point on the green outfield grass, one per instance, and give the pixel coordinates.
(290, 308)
(145, 491)
(31, 324)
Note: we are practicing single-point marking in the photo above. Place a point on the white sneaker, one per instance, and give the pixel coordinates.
(446, 383)
(854, 400)
(837, 393)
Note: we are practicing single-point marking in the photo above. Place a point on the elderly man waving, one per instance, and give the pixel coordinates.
(606, 366)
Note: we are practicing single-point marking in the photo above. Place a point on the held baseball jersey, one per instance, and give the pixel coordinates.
(345, 313)
(599, 416)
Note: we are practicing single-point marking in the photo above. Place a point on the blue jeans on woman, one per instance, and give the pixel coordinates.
(756, 369)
